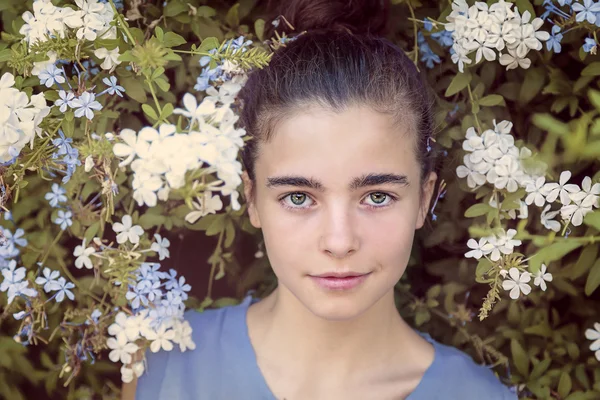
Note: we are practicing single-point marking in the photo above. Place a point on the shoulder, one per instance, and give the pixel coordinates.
(176, 372)
(462, 378)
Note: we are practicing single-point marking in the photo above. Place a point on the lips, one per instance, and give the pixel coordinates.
(339, 274)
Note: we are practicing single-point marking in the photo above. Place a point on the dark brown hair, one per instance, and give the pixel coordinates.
(341, 60)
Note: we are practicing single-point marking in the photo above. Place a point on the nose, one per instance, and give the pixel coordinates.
(339, 237)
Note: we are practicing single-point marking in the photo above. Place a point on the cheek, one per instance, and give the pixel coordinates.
(389, 242)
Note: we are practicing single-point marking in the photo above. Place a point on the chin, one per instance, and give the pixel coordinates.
(337, 306)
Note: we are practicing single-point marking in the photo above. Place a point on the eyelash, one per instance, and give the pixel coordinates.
(393, 199)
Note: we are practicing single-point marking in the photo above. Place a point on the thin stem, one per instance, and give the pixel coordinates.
(474, 113)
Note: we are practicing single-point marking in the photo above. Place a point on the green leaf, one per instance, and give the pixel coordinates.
(592, 219)
(539, 369)
(492, 100)
(477, 210)
(216, 226)
(259, 28)
(156, 73)
(91, 232)
(593, 280)
(162, 84)
(148, 220)
(232, 18)
(564, 385)
(520, 357)
(458, 83)
(173, 40)
(532, 84)
(548, 123)
(166, 111)
(159, 33)
(150, 112)
(593, 69)
(134, 89)
(208, 44)
(6, 54)
(175, 7)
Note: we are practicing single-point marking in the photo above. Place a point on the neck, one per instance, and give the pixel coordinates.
(296, 338)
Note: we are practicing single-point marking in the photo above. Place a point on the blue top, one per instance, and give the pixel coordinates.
(224, 366)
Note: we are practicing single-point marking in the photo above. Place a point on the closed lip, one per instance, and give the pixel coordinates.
(340, 274)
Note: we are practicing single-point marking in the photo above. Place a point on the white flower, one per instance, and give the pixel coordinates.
(517, 283)
(594, 334)
(135, 144)
(536, 192)
(575, 212)
(512, 60)
(126, 374)
(547, 219)
(121, 349)
(474, 178)
(208, 205)
(562, 188)
(161, 338)
(478, 248)
(503, 243)
(83, 256)
(124, 327)
(588, 195)
(126, 231)
(541, 277)
(194, 111)
(183, 336)
(110, 57)
(508, 173)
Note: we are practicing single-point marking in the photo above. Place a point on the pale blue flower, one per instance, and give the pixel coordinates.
(57, 195)
(62, 143)
(586, 11)
(65, 100)
(15, 239)
(180, 288)
(161, 246)
(554, 41)
(113, 88)
(85, 105)
(63, 289)
(589, 44)
(136, 297)
(49, 280)
(64, 219)
(444, 38)
(51, 74)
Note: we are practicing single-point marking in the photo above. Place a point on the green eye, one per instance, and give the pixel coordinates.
(382, 197)
(297, 196)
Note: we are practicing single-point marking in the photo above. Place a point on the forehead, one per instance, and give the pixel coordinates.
(343, 144)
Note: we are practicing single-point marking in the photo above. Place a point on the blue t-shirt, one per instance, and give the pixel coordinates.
(224, 366)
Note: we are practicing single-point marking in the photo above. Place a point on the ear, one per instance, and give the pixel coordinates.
(250, 200)
(426, 200)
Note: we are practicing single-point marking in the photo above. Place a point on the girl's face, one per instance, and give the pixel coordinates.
(322, 208)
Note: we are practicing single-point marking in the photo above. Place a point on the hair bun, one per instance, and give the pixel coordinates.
(356, 16)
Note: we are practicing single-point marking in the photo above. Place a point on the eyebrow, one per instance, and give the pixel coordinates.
(356, 183)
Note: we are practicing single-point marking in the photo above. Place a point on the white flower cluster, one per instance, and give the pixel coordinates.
(493, 158)
(490, 30)
(161, 158)
(91, 20)
(20, 117)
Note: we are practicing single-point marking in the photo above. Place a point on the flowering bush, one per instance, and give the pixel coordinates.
(120, 130)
